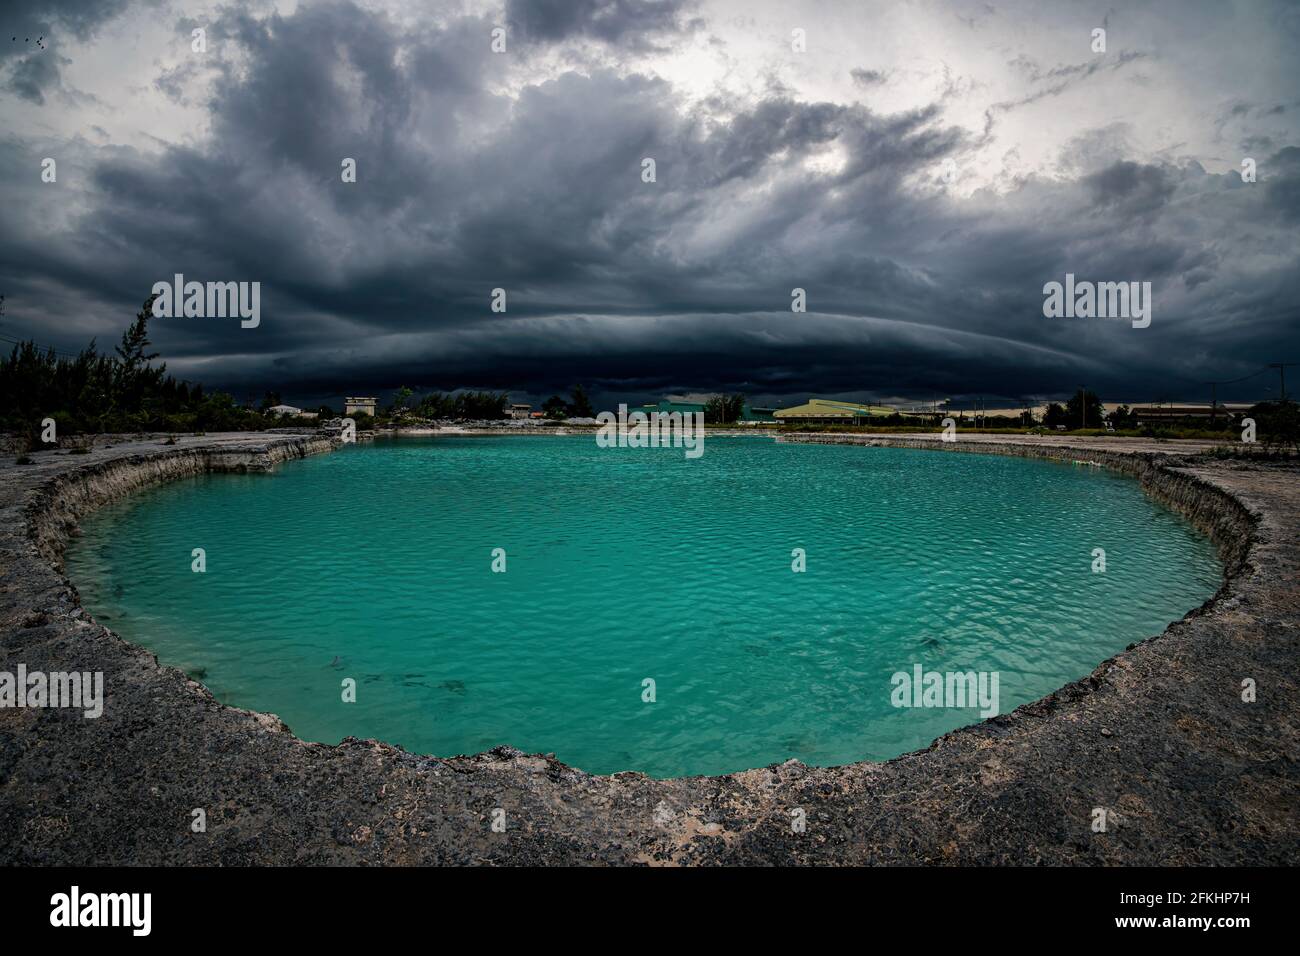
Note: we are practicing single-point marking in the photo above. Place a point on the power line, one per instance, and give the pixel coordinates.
(1234, 381)
(38, 345)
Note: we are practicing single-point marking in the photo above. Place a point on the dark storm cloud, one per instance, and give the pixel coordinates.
(1282, 185)
(631, 22)
(80, 18)
(679, 285)
(31, 32)
(30, 76)
(1136, 187)
(864, 77)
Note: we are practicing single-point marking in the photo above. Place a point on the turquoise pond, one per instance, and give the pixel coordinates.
(375, 563)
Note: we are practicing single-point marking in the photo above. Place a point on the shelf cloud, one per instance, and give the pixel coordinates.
(920, 177)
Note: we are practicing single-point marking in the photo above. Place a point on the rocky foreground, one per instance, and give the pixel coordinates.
(1159, 736)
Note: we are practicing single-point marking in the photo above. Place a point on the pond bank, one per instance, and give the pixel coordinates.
(1158, 735)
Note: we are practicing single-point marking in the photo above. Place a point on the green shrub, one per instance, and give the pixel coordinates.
(95, 393)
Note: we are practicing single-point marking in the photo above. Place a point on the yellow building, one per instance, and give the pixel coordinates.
(824, 411)
(362, 404)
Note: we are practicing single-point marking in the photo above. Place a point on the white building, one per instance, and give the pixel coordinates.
(352, 406)
(520, 411)
(289, 411)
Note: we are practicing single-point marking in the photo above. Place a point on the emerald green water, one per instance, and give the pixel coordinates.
(374, 563)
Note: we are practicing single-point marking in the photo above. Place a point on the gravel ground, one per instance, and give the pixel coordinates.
(1158, 736)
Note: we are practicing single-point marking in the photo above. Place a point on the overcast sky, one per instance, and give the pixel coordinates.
(921, 169)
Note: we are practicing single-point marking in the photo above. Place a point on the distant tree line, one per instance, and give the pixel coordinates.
(579, 406)
(121, 392)
(724, 409)
(1083, 410)
(1274, 420)
(475, 405)
(125, 391)
(483, 405)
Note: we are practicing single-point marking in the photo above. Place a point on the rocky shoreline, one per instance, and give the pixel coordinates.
(1158, 735)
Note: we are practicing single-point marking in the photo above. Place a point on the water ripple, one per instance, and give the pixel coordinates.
(626, 564)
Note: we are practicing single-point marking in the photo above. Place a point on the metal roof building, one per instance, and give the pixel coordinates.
(823, 411)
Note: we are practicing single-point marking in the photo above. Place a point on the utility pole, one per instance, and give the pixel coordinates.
(1214, 400)
(1281, 371)
(1083, 408)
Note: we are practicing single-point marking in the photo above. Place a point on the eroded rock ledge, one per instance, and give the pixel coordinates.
(1158, 735)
